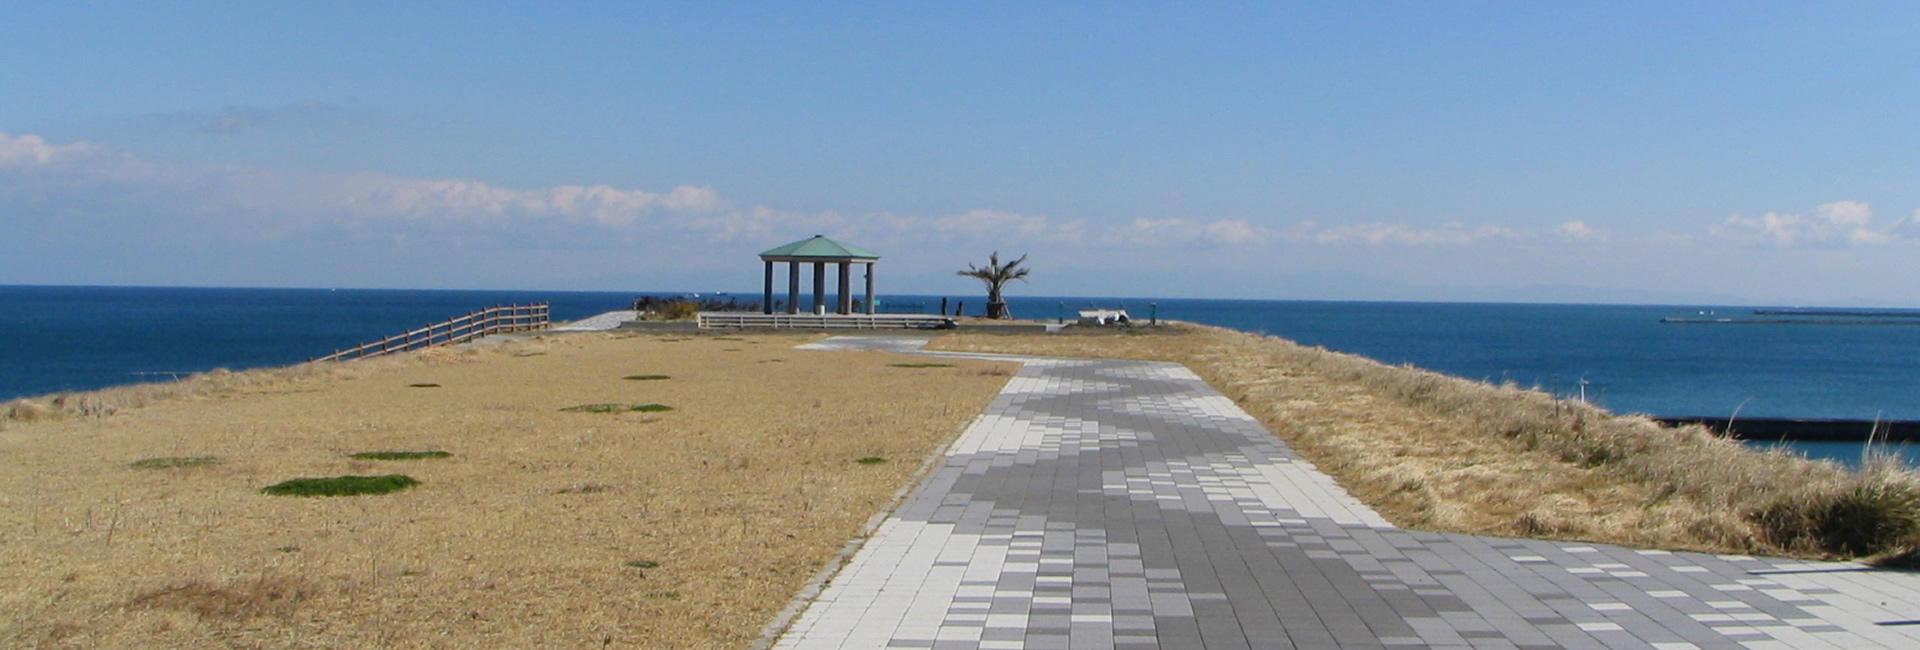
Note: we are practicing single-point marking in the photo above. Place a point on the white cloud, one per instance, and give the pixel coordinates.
(278, 203)
(1453, 233)
(363, 200)
(1832, 224)
(1579, 231)
(462, 199)
(1156, 232)
(79, 199)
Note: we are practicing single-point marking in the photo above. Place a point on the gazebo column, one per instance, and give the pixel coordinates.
(766, 297)
(819, 287)
(793, 287)
(844, 299)
(870, 303)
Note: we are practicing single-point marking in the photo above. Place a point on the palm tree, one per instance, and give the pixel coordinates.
(997, 275)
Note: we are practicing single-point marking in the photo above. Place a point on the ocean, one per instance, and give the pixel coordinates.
(1623, 357)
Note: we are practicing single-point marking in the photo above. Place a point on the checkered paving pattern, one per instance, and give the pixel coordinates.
(1124, 504)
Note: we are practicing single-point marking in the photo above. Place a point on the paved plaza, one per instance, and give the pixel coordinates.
(1126, 504)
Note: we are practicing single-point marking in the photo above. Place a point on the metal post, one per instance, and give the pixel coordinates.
(1153, 313)
(819, 288)
(793, 287)
(843, 303)
(766, 297)
(873, 307)
(1060, 317)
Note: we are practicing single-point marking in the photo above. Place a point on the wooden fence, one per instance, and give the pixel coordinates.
(492, 320)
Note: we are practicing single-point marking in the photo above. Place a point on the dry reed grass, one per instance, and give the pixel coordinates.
(682, 529)
(1435, 452)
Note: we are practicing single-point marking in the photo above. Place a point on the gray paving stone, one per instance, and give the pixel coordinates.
(1127, 504)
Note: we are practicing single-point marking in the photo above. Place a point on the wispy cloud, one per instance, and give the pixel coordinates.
(279, 202)
(81, 195)
(1454, 233)
(1841, 223)
(1579, 231)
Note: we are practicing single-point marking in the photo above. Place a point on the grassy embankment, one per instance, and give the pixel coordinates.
(1434, 452)
(705, 481)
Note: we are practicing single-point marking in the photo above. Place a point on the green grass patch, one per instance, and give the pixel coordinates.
(664, 595)
(171, 462)
(920, 365)
(643, 564)
(398, 455)
(340, 486)
(616, 408)
(645, 377)
(871, 460)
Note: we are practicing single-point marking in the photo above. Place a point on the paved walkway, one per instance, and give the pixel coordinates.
(1126, 504)
(599, 323)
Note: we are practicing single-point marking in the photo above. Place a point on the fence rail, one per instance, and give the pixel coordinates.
(827, 321)
(492, 320)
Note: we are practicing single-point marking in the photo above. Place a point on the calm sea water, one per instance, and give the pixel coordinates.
(55, 339)
(1623, 357)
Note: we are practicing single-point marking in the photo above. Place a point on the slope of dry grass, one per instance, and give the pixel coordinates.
(686, 528)
(1435, 452)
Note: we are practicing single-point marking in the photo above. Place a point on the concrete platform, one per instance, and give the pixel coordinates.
(1126, 504)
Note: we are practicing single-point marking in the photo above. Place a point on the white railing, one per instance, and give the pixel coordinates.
(827, 321)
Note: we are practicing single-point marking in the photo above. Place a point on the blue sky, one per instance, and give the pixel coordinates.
(1622, 152)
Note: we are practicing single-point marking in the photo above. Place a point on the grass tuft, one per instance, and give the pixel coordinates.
(585, 488)
(398, 455)
(172, 462)
(616, 408)
(264, 597)
(1878, 514)
(643, 564)
(341, 486)
(871, 460)
(645, 377)
(423, 385)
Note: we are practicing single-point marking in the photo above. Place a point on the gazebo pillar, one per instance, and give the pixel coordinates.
(845, 297)
(870, 305)
(819, 287)
(793, 287)
(766, 297)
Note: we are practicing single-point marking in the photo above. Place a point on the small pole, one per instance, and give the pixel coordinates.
(1061, 316)
(1153, 314)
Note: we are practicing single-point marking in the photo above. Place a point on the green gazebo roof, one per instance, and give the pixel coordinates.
(818, 249)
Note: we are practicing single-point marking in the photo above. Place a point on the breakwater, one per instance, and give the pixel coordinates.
(1803, 429)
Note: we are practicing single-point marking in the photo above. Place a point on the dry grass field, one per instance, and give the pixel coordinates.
(1440, 453)
(133, 517)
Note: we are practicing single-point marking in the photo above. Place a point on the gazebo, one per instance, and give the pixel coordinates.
(818, 251)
